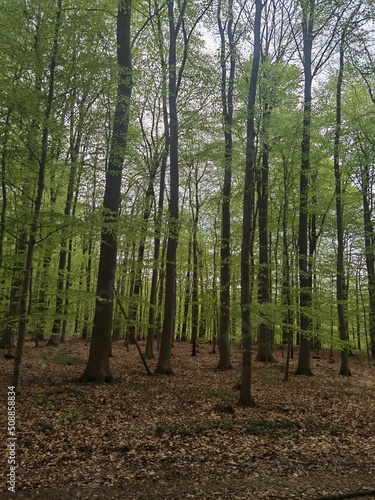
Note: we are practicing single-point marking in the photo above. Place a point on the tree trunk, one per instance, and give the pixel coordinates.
(287, 327)
(10, 320)
(87, 251)
(137, 285)
(75, 145)
(159, 213)
(340, 277)
(369, 251)
(98, 368)
(187, 295)
(264, 278)
(164, 360)
(194, 297)
(246, 398)
(26, 279)
(227, 113)
(305, 281)
(4, 191)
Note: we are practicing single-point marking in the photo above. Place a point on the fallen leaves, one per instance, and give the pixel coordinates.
(183, 436)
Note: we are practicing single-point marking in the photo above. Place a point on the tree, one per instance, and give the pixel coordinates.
(308, 15)
(312, 12)
(164, 360)
(26, 279)
(275, 43)
(246, 398)
(98, 368)
(340, 279)
(176, 25)
(226, 30)
(363, 61)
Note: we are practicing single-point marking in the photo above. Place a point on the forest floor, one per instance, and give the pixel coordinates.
(183, 436)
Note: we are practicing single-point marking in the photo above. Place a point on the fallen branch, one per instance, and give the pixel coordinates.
(133, 337)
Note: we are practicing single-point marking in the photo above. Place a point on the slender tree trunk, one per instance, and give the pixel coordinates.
(24, 293)
(87, 251)
(340, 270)
(159, 213)
(203, 308)
(68, 283)
(305, 282)
(164, 360)
(369, 252)
(358, 317)
(264, 276)
(246, 398)
(63, 255)
(10, 320)
(98, 367)
(187, 298)
(137, 285)
(160, 302)
(194, 297)
(4, 191)
(154, 287)
(227, 113)
(287, 327)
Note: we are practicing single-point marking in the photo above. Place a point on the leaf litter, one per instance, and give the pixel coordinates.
(183, 436)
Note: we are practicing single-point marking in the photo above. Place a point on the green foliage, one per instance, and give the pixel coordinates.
(280, 427)
(62, 358)
(78, 145)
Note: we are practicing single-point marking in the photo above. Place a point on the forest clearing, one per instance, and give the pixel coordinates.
(184, 436)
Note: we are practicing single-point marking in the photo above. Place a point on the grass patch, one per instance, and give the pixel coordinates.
(271, 427)
(221, 394)
(63, 358)
(74, 392)
(44, 427)
(173, 430)
(283, 427)
(193, 429)
(73, 415)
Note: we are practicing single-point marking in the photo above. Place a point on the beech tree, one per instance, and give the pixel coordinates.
(315, 17)
(340, 279)
(25, 284)
(246, 398)
(227, 30)
(98, 367)
(164, 360)
(176, 18)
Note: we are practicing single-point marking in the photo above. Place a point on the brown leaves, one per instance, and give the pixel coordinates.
(184, 437)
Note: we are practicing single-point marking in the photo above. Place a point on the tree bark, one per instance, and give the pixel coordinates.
(159, 212)
(26, 279)
(164, 360)
(98, 367)
(225, 252)
(246, 398)
(195, 296)
(305, 281)
(340, 269)
(264, 276)
(75, 145)
(369, 252)
(137, 284)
